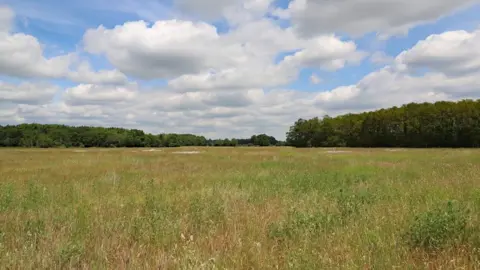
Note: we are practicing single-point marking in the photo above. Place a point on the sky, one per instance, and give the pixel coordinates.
(230, 68)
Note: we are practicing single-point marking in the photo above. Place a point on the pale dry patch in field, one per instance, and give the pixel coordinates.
(152, 150)
(338, 152)
(186, 152)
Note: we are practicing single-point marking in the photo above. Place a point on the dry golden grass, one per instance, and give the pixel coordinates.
(231, 208)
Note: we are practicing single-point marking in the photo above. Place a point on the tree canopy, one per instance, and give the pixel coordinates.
(440, 124)
(46, 136)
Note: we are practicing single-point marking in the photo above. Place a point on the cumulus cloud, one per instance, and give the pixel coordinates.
(326, 52)
(383, 88)
(22, 56)
(85, 74)
(235, 79)
(166, 49)
(452, 53)
(196, 58)
(357, 17)
(90, 94)
(27, 93)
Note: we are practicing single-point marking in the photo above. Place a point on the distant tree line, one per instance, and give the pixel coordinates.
(440, 124)
(255, 140)
(46, 136)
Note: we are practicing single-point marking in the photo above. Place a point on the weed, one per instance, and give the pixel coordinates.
(7, 197)
(70, 254)
(442, 226)
(349, 203)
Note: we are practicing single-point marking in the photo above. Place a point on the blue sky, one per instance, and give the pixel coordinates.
(162, 67)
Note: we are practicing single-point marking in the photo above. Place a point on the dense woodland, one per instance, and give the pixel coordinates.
(46, 136)
(442, 124)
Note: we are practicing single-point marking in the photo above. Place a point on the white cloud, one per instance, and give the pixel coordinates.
(235, 79)
(89, 94)
(166, 49)
(27, 93)
(357, 17)
(326, 52)
(196, 58)
(22, 56)
(452, 53)
(85, 74)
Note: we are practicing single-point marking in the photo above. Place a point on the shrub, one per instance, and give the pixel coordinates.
(440, 227)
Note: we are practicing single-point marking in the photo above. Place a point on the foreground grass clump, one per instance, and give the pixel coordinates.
(441, 227)
(239, 208)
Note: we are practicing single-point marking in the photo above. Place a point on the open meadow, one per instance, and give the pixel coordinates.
(239, 208)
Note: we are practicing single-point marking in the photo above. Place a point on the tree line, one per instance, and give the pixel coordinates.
(440, 124)
(47, 136)
(419, 125)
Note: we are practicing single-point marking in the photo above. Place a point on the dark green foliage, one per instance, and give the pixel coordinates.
(70, 255)
(7, 197)
(443, 226)
(46, 136)
(349, 203)
(255, 140)
(225, 142)
(441, 124)
(263, 140)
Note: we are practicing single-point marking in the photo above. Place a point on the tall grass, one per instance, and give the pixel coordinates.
(239, 208)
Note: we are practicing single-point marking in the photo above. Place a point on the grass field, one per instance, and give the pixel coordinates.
(239, 208)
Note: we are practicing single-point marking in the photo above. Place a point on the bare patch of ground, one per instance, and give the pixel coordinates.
(187, 152)
(338, 152)
(152, 150)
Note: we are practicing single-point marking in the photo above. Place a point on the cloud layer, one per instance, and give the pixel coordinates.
(181, 75)
(357, 17)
